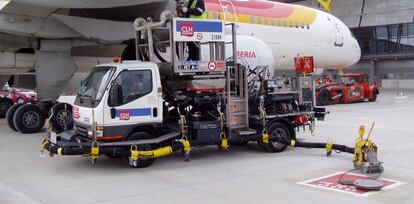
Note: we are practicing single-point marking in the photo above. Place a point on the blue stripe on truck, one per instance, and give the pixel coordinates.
(201, 26)
(134, 112)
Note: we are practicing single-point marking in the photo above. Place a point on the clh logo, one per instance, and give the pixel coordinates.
(187, 29)
(75, 112)
(124, 115)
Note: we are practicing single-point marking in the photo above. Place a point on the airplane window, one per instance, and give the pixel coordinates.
(290, 23)
(259, 20)
(272, 22)
(278, 22)
(265, 21)
(252, 19)
(297, 25)
(214, 15)
(285, 23)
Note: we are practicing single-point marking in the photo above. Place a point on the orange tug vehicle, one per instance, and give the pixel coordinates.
(352, 87)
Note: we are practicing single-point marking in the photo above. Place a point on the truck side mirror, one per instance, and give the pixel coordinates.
(115, 95)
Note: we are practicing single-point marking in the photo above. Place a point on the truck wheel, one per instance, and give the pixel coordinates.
(62, 117)
(324, 97)
(5, 104)
(281, 133)
(29, 119)
(20, 100)
(374, 97)
(10, 114)
(140, 163)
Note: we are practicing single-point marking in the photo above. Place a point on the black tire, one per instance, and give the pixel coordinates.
(29, 119)
(324, 97)
(61, 119)
(5, 104)
(374, 97)
(10, 114)
(280, 131)
(20, 100)
(141, 163)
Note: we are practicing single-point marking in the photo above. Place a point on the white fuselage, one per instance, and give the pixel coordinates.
(322, 41)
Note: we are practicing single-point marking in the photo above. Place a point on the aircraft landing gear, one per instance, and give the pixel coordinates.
(5, 104)
(29, 118)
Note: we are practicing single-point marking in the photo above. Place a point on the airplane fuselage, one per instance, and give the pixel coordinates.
(290, 31)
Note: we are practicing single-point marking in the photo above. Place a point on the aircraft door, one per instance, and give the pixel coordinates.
(230, 14)
(339, 38)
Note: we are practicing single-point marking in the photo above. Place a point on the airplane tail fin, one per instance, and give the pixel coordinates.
(326, 4)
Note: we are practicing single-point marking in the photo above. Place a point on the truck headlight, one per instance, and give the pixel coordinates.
(99, 133)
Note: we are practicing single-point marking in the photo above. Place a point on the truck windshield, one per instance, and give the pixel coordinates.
(95, 84)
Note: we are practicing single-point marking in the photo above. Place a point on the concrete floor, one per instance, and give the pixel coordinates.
(242, 175)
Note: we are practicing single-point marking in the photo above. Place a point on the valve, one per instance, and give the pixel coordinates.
(265, 136)
(186, 149)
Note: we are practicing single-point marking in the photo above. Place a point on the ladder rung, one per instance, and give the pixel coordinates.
(247, 131)
(238, 126)
(236, 100)
(238, 113)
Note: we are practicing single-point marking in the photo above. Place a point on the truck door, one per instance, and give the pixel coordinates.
(230, 14)
(140, 103)
(339, 38)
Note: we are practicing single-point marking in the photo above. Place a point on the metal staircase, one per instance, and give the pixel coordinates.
(237, 107)
(237, 103)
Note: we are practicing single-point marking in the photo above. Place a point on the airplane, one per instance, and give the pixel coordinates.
(58, 42)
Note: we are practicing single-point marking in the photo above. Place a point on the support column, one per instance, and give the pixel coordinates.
(54, 68)
(372, 71)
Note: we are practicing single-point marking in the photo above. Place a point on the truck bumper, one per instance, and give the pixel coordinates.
(68, 143)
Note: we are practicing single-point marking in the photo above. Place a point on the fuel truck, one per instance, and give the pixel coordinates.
(164, 101)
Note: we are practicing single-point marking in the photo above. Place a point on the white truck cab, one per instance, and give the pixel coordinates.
(117, 96)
